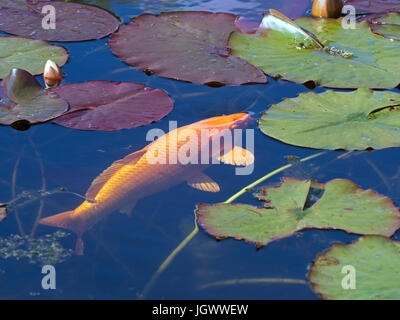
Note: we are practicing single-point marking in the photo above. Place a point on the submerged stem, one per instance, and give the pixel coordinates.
(169, 259)
(185, 241)
(269, 175)
(252, 281)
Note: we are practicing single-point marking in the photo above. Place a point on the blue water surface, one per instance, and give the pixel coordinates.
(122, 253)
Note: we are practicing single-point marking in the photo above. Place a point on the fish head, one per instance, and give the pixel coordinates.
(231, 121)
(220, 132)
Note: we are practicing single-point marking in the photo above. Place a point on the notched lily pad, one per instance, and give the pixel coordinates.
(387, 26)
(30, 55)
(296, 205)
(189, 46)
(350, 58)
(22, 99)
(73, 22)
(108, 106)
(356, 120)
(372, 261)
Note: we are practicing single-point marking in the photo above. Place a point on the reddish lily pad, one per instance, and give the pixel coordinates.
(188, 46)
(296, 205)
(22, 99)
(252, 8)
(107, 106)
(374, 6)
(74, 21)
(20, 4)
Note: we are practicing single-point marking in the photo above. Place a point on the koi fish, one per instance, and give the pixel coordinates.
(143, 172)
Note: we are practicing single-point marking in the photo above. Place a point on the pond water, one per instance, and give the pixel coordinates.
(122, 253)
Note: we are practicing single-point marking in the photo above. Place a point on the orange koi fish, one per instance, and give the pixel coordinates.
(158, 166)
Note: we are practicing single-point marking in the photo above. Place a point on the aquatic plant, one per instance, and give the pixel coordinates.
(371, 264)
(187, 46)
(41, 250)
(351, 58)
(27, 54)
(109, 106)
(295, 205)
(24, 101)
(75, 21)
(355, 120)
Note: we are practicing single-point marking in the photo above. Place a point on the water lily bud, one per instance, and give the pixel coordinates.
(327, 8)
(52, 74)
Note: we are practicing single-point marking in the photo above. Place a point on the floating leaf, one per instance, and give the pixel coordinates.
(374, 6)
(20, 4)
(107, 106)
(187, 46)
(355, 120)
(73, 22)
(353, 58)
(288, 28)
(27, 54)
(22, 98)
(375, 261)
(387, 26)
(295, 205)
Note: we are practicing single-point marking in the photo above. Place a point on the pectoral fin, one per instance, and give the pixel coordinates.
(237, 156)
(128, 209)
(203, 182)
(99, 182)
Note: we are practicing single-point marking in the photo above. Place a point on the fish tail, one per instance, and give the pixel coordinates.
(67, 220)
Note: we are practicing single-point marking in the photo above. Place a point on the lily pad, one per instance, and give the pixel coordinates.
(351, 58)
(108, 106)
(375, 261)
(374, 6)
(295, 205)
(187, 46)
(20, 4)
(22, 98)
(357, 120)
(27, 54)
(73, 22)
(387, 26)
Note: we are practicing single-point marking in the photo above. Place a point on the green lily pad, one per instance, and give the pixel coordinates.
(332, 120)
(387, 26)
(27, 54)
(375, 261)
(295, 205)
(352, 58)
(22, 98)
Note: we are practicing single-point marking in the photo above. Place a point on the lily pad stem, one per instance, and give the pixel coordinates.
(183, 244)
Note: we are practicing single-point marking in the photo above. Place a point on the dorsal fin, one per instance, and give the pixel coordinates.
(99, 182)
